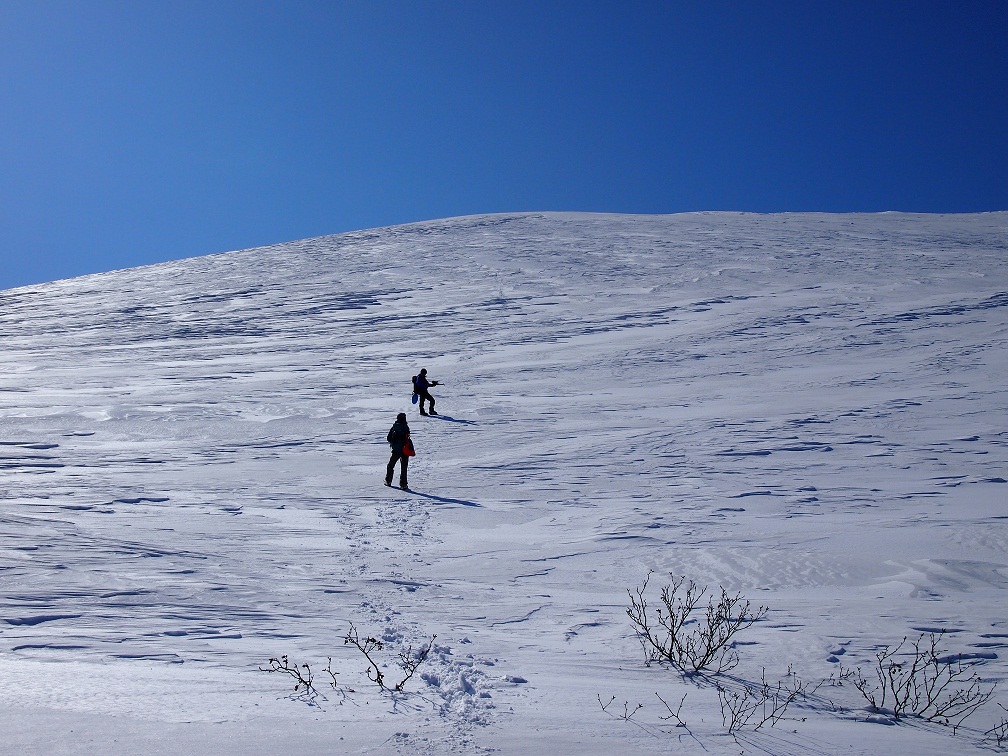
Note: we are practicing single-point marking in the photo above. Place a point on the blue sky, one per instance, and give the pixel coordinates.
(135, 132)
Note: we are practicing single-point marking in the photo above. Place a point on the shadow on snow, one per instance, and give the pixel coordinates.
(451, 419)
(445, 499)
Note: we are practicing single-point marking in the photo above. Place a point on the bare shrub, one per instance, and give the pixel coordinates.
(760, 703)
(837, 680)
(999, 731)
(674, 715)
(613, 711)
(304, 679)
(737, 706)
(366, 646)
(921, 680)
(343, 692)
(408, 660)
(671, 633)
(302, 675)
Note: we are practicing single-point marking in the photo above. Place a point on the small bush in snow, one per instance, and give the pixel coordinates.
(760, 703)
(674, 715)
(999, 731)
(613, 711)
(301, 674)
(672, 634)
(409, 661)
(924, 682)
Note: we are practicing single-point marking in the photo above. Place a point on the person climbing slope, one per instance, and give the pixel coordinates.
(402, 449)
(421, 387)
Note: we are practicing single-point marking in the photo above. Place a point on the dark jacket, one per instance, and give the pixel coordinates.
(398, 434)
(421, 384)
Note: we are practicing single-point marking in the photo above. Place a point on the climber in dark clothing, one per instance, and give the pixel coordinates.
(398, 437)
(420, 387)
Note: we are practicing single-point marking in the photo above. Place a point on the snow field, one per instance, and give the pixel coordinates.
(805, 408)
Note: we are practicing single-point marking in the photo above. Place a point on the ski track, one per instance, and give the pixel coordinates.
(806, 408)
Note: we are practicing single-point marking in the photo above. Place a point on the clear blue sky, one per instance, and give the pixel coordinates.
(138, 131)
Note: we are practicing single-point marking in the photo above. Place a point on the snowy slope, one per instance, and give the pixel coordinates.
(809, 409)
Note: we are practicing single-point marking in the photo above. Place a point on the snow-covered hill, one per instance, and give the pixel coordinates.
(809, 409)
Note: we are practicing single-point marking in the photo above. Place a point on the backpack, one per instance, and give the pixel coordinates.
(395, 433)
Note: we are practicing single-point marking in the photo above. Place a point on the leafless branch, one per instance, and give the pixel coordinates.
(708, 647)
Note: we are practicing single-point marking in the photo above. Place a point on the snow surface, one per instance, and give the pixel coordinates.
(809, 409)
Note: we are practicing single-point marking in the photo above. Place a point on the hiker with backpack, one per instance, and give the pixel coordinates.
(402, 449)
(421, 388)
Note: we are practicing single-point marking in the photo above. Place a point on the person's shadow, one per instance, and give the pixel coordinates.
(446, 500)
(451, 419)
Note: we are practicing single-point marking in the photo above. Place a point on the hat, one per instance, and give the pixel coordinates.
(423, 371)
(401, 416)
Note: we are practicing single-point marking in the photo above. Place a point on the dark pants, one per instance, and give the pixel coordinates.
(425, 396)
(403, 460)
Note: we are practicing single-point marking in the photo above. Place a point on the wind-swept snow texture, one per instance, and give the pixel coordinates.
(809, 409)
